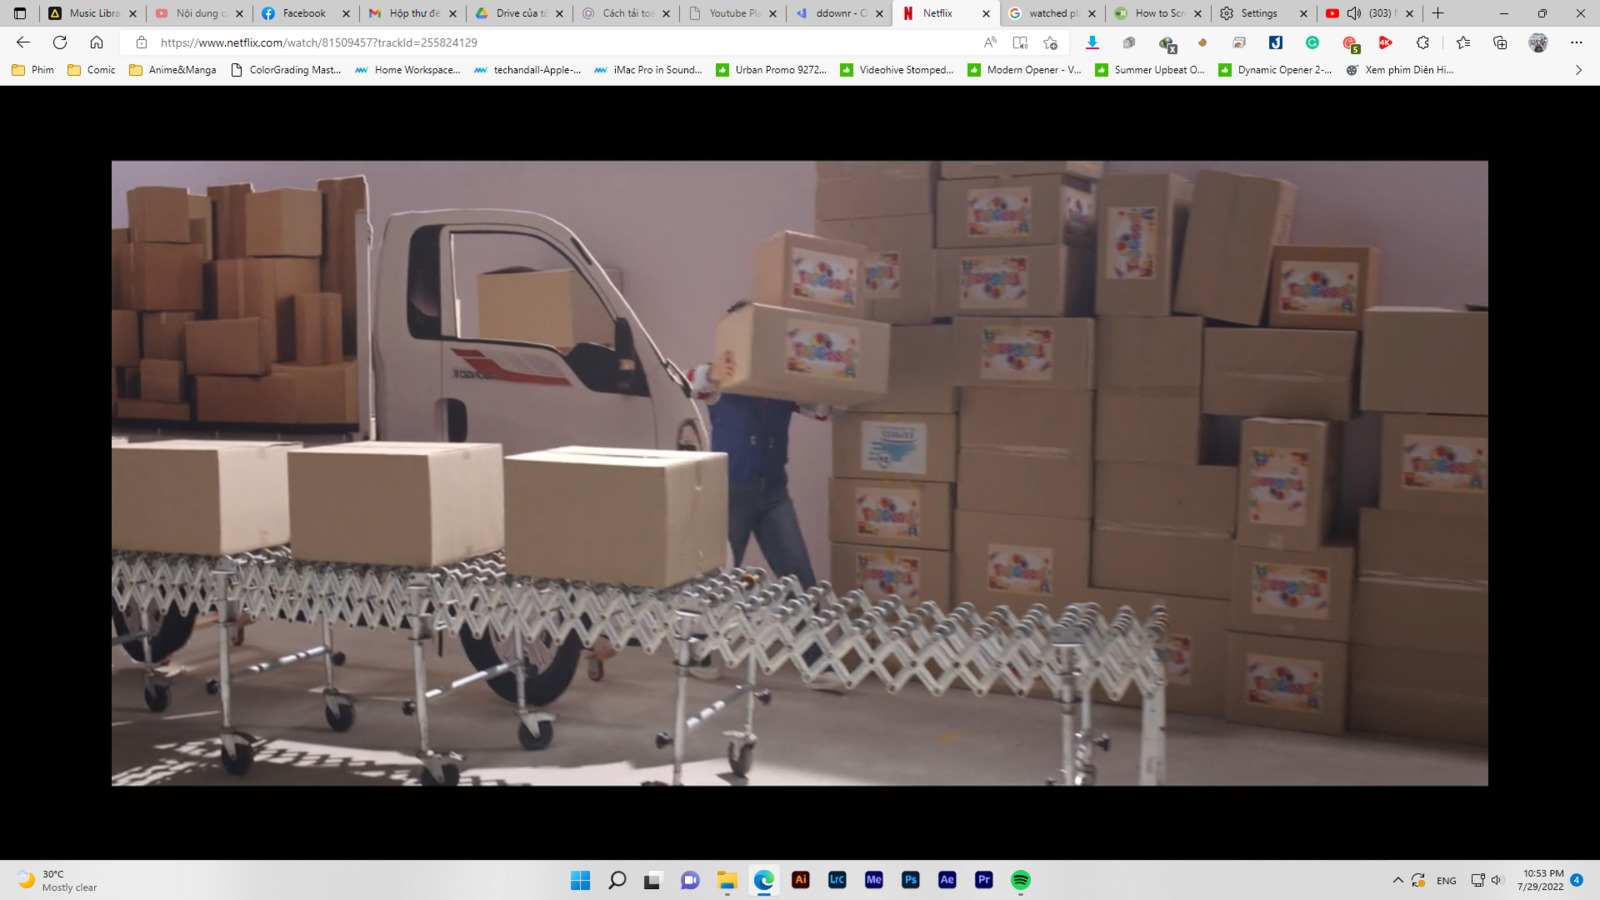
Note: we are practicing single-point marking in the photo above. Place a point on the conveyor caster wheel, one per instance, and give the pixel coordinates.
(338, 658)
(765, 697)
(597, 670)
(240, 763)
(663, 740)
(1103, 742)
(452, 776)
(408, 708)
(238, 637)
(531, 741)
(739, 759)
(343, 718)
(157, 696)
(212, 687)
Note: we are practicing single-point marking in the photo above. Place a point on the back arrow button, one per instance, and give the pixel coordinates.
(21, 41)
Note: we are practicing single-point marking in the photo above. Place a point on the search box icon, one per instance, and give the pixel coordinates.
(618, 879)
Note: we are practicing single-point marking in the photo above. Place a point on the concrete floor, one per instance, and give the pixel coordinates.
(604, 731)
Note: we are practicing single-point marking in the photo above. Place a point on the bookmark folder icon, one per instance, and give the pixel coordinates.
(135, 69)
(17, 69)
(74, 70)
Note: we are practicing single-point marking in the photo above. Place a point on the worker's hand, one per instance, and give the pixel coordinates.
(722, 369)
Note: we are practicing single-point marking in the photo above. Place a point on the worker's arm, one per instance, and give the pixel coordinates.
(700, 382)
(822, 412)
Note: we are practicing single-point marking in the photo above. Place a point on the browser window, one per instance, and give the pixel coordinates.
(804, 42)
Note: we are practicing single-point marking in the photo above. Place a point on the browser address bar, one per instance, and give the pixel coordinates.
(683, 41)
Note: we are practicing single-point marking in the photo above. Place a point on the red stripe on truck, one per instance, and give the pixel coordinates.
(488, 368)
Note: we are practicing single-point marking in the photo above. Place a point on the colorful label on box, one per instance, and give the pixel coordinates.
(1017, 353)
(1279, 486)
(994, 282)
(1020, 570)
(1319, 288)
(1289, 684)
(822, 278)
(899, 448)
(1445, 465)
(1131, 250)
(1285, 589)
(890, 574)
(1000, 212)
(882, 274)
(883, 513)
(822, 351)
(1176, 652)
(1077, 212)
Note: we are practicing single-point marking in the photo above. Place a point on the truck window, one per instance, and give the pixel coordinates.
(515, 287)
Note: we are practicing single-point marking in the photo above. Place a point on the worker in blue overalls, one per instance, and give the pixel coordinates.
(755, 434)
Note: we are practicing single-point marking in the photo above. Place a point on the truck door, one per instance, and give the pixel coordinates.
(531, 354)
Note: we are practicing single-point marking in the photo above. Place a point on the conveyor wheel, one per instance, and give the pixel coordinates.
(452, 776)
(597, 669)
(531, 741)
(549, 667)
(240, 763)
(739, 759)
(157, 696)
(169, 630)
(341, 720)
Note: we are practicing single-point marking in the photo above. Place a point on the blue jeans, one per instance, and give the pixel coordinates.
(768, 513)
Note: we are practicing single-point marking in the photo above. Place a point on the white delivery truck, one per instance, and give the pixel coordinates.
(425, 374)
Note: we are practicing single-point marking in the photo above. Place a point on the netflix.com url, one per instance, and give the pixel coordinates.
(323, 43)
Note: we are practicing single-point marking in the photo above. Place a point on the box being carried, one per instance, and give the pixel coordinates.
(202, 498)
(785, 354)
(897, 281)
(1037, 210)
(383, 503)
(642, 518)
(809, 274)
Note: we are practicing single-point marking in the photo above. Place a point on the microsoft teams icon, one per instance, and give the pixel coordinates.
(1275, 42)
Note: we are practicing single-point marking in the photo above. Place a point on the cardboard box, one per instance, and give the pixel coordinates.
(1424, 360)
(161, 381)
(785, 354)
(539, 307)
(114, 397)
(1149, 425)
(264, 289)
(119, 268)
(1141, 495)
(675, 530)
(897, 282)
(318, 329)
(1050, 281)
(1287, 683)
(388, 503)
(118, 440)
(124, 338)
(916, 576)
(131, 410)
(1142, 222)
(1034, 210)
(1446, 549)
(1288, 483)
(831, 169)
(1189, 562)
(895, 447)
(266, 400)
(228, 347)
(1235, 221)
(201, 226)
(872, 196)
(1281, 372)
(1322, 287)
(1432, 696)
(227, 210)
(920, 376)
(158, 215)
(323, 395)
(1149, 352)
(166, 277)
(907, 514)
(1434, 464)
(283, 222)
(1289, 593)
(1027, 482)
(1092, 171)
(162, 334)
(1194, 651)
(1018, 561)
(343, 198)
(199, 498)
(1421, 614)
(1051, 354)
(998, 419)
(809, 274)
(128, 382)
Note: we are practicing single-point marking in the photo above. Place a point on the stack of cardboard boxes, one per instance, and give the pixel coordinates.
(1420, 644)
(264, 334)
(1015, 270)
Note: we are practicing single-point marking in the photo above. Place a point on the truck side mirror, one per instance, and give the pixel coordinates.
(627, 365)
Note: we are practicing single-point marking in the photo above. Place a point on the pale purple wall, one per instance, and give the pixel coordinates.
(682, 234)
